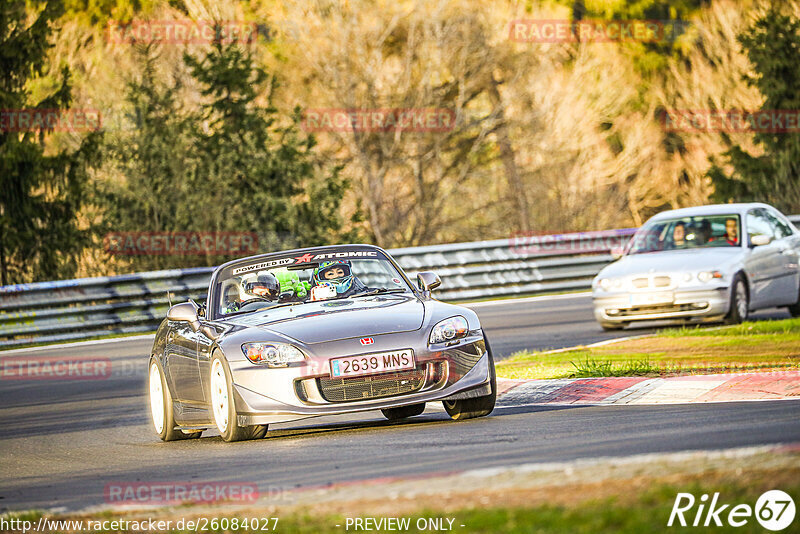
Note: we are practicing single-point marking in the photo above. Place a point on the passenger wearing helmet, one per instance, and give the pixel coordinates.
(334, 279)
(231, 299)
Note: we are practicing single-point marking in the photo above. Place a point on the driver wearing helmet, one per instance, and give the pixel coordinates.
(335, 279)
(263, 285)
(256, 287)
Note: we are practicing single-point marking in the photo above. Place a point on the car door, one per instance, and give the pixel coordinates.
(786, 243)
(764, 264)
(204, 353)
(182, 366)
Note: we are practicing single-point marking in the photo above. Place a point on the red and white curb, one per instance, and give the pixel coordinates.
(777, 385)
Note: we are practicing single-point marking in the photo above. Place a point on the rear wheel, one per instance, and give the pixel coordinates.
(223, 406)
(161, 413)
(479, 406)
(740, 301)
(393, 414)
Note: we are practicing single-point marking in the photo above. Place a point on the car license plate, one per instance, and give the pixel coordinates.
(368, 364)
(651, 299)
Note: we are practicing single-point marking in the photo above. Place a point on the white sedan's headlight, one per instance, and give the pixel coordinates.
(707, 276)
(272, 353)
(606, 284)
(449, 329)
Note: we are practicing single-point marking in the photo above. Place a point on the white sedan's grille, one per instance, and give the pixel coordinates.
(652, 282)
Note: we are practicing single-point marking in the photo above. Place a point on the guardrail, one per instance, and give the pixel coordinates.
(89, 307)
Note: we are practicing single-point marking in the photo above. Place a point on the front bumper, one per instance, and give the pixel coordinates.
(272, 395)
(697, 304)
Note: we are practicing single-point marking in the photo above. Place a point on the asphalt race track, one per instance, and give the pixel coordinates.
(63, 441)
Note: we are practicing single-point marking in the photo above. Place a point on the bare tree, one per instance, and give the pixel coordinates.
(415, 57)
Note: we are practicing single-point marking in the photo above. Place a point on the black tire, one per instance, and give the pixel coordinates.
(167, 432)
(479, 406)
(794, 309)
(740, 301)
(393, 414)
(231, 430)
(612, 327)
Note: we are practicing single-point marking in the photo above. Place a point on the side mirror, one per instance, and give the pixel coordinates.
(185, 312)
(760, 240)
(428, 281)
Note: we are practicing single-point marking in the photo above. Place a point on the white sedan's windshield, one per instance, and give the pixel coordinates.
(703, 231)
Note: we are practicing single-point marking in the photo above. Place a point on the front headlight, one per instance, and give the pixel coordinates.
(707, 276)
(606, 284)
(449, 329)
(272, 353)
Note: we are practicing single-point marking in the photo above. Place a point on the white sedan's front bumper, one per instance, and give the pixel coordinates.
(695, 304)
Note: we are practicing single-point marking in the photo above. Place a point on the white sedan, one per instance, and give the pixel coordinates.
(702, 264)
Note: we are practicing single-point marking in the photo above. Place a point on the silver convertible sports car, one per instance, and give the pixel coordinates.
(317, 331)
(708, 263)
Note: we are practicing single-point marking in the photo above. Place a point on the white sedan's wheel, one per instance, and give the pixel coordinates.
(219, 396)
(740, 301)
(794, 309)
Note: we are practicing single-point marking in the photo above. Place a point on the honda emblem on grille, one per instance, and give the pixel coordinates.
(367, 341)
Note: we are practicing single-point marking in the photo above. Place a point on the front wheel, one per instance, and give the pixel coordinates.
(223, 406)
(478, 406)
(794, 309)
(740, 301)
(393, 414)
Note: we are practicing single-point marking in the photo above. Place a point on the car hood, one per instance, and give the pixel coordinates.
(675, 261)
(317, 322)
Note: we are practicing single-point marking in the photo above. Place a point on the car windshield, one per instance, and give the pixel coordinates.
(701, 231)
(310, 277)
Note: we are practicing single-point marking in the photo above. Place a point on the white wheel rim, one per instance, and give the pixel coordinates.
(219, 395)
(741, 300)
(156, 398)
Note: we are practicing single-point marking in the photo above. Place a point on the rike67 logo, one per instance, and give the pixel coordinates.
(774, 510)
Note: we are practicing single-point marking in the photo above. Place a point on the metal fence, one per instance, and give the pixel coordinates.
(89, 307)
